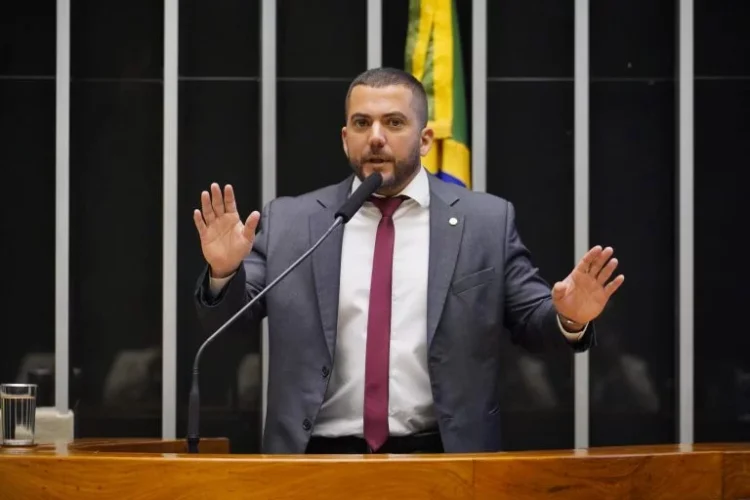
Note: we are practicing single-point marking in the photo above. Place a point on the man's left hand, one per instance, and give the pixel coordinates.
(581, 296)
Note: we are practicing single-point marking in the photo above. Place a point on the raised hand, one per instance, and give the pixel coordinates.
(581, 296)
(225, 240)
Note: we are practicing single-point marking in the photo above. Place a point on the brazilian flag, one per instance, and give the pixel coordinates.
(433, 56)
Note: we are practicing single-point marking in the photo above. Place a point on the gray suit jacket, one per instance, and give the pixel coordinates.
(481, 282)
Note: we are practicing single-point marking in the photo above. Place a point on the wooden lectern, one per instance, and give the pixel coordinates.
(154, 469)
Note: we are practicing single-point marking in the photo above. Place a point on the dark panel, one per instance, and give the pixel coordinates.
(27, 38)
(120, 39)
(218, 142)
(633, 38)
(530, 163)
(309, 151)
(632, 197)
(721, 39)
(322, 39)
(27, 128)
(722, 344)
(115, 257)
(219, 38)
(395, 24)
(532, 38)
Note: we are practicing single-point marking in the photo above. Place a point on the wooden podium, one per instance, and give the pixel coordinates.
(154, 469)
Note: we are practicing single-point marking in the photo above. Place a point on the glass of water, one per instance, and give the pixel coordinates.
(18, 407)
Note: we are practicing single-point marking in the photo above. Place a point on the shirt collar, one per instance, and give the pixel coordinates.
(418, 189)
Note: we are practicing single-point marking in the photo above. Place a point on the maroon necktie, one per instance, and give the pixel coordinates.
(379, 327)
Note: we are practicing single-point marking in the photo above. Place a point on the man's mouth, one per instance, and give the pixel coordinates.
(377, 161)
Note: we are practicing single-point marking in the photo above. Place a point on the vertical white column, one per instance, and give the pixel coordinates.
(267, 140)
(581, 205)
(62, 206)
(685, 224)
(374, 33)
(479, 95)
(169, 231)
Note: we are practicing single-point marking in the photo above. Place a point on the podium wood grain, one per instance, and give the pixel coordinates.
(152, 469)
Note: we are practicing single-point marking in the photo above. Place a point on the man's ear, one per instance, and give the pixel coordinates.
(343, 141)
(426, 140)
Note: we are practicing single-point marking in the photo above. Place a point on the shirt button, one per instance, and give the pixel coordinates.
(325, 371)
(306, 424)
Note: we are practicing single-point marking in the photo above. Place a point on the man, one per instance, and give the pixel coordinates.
(387, 338)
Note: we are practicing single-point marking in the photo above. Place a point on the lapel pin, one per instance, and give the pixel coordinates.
(452, 221)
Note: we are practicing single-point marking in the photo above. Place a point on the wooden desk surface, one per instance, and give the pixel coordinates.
(103, 468)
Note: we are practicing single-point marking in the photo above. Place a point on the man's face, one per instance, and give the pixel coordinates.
(383, 134)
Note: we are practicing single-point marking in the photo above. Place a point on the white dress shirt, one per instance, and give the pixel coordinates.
(409, 392)
(410, 404)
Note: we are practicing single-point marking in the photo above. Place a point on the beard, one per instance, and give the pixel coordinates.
(403, 169)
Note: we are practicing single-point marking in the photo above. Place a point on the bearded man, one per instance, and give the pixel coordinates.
(387, 339)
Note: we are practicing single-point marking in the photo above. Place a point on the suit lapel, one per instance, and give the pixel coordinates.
(445, 241)
(326, 260)
(446, 230)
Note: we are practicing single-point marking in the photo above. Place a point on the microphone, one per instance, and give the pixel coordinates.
(342, 216)
(359, 196)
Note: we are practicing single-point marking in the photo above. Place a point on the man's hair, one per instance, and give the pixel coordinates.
(384, 77)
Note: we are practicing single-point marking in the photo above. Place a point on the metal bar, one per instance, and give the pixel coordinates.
(685, 224)
(581, 204)
(268, 143)
(169, 230)
(479, 96)
(62, 208)
(374, 33)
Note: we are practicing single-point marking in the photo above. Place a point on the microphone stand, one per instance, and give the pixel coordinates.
(194, 403)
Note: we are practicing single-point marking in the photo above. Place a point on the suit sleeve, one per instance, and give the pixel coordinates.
(529, 312)
(248, 280)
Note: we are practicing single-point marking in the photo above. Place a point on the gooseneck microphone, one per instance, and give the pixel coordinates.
(342, 216)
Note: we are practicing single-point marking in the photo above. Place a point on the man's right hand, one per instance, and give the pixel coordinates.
(225, 240)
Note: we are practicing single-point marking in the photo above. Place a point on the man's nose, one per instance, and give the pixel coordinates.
(377, 137)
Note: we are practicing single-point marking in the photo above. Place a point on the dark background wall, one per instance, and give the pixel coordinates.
(722, 129)
(116, 194)
(633, 199)
(27, 170)
(219, 141)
